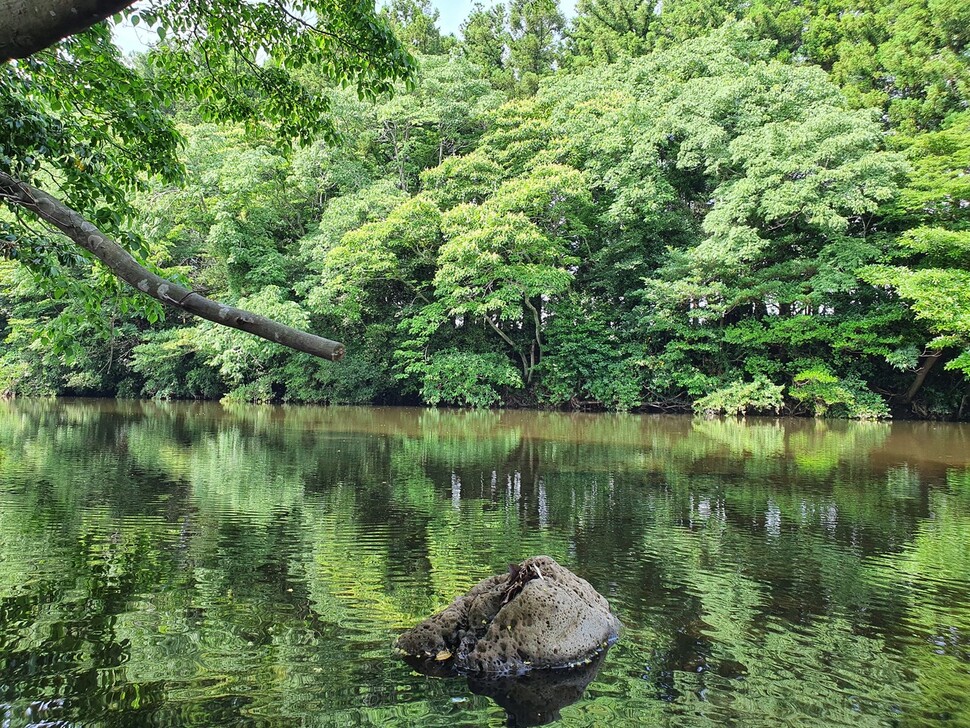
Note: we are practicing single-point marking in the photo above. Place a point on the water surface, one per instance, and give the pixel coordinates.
(194, 565)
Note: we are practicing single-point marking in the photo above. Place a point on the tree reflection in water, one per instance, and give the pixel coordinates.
(193, 565)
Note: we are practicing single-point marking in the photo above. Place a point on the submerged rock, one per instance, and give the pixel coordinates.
(539, 615)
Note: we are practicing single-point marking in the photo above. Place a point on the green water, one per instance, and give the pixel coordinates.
(193, 565)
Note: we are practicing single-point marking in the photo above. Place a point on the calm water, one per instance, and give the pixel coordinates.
(193, 565)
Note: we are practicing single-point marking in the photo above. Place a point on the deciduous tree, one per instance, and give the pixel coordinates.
(82, 123)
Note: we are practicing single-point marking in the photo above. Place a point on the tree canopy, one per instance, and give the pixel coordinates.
(84, 124)
(708, 206)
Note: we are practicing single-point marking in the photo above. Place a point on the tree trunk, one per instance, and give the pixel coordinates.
(536, 348)
(123, 265)
(29, 26)
(921, 374)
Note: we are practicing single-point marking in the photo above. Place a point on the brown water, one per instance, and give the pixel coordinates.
(193, 565)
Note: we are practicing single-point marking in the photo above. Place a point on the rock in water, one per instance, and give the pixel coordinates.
(539, 615)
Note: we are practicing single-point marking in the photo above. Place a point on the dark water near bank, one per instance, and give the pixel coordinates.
(185, 565)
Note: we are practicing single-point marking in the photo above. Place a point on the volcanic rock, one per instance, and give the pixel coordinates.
(538, 615)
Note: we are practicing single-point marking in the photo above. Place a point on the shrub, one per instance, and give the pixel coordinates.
(827, 395)
(465, 379)
(585, 360)
(741, 398)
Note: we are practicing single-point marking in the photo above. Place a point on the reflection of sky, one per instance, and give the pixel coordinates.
(452, 15)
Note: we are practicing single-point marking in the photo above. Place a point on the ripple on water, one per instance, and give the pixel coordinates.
(179, 566)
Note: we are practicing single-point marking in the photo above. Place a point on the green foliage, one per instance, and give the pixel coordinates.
(903, 55)
(740, 398)
(462, 180)
(825, 394)
(485, 39)
(364, 376)
(682, 20)
(906, 56)
(380, 260)
(743, 207)
(464, 379)
(414, 22)
(535, 38)
(215, 53)
(441, 117)
(586, 363)
(515, 45)
(76, 116)
(345, 213)
(494, 260)
(80, 121)
(606, 30)
(501, 259)
(735, 202)
(253, 367)
(930, 267)
(173, 365)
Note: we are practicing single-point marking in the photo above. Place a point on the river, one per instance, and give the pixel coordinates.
(200, 565)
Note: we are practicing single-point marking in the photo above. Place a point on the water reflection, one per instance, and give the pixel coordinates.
(193, 565)
(535, 698)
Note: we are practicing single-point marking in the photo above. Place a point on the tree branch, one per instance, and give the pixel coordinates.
(931, 359)
(537, 318)
(30, 26)
(526, 369)
(123, 265)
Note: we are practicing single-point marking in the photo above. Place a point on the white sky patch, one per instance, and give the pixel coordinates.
(454, 12)
(133, 39)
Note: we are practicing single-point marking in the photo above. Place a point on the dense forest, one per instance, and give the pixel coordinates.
(704, 205)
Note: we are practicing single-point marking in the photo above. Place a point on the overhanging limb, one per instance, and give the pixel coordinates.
(28, 26)
(120, 262)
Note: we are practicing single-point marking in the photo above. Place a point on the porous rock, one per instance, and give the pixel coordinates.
(539, 615)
